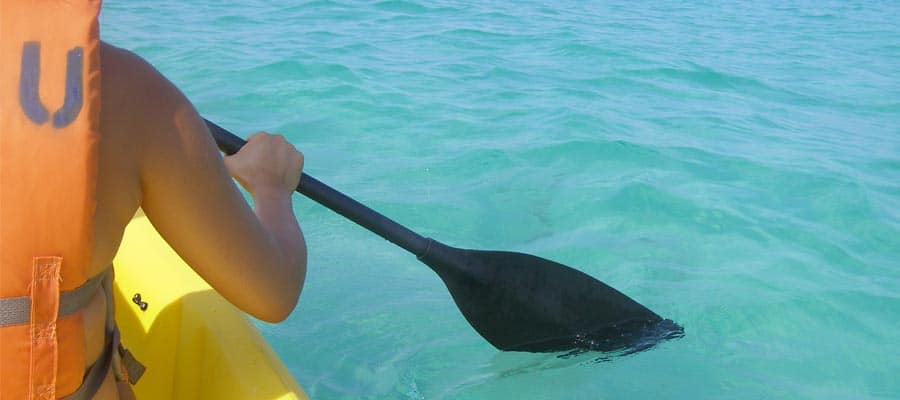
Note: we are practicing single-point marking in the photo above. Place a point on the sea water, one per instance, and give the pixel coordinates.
(734, 166)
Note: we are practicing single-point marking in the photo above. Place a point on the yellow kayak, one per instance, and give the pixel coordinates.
(194, 344)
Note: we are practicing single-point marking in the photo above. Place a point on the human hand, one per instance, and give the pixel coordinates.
(266, 163)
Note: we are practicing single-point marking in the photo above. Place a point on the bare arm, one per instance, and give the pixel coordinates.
(255, 260)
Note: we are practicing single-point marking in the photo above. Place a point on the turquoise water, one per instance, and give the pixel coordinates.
(734, 167)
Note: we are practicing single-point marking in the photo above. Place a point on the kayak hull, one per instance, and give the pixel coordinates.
(194, 343)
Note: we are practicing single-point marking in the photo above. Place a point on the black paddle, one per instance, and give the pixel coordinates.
(516, 301)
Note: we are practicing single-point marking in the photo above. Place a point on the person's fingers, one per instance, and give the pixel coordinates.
(256, 136)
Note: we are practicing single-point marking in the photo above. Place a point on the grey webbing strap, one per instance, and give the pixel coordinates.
(96, 374)
(133, 368)
(17, 310)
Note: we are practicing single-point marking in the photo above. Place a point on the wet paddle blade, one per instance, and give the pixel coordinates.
(521, 302)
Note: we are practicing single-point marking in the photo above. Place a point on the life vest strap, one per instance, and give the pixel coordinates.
(17, 310)
(96, 374)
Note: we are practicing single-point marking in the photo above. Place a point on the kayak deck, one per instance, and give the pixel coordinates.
(194, 343)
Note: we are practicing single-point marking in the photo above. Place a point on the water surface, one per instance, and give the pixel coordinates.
(734, 167)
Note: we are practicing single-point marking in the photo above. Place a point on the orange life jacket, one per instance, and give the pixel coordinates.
(49, 127)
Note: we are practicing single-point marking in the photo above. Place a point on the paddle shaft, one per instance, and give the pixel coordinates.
(515, 301)
(338, 202)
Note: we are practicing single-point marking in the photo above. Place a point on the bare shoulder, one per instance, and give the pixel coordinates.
(124, 74)
(140, 102)
(120, 67)
(134, 89)
(127, 81)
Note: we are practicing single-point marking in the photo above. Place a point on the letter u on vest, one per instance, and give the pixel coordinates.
(49, 126)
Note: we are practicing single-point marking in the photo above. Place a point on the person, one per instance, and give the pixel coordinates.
(155, 153)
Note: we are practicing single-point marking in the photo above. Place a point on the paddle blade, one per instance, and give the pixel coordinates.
(521, 302)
